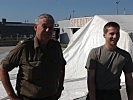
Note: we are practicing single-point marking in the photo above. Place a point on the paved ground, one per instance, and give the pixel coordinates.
(5, 49)
(75, 89)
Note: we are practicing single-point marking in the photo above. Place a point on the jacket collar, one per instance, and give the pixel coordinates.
(36, 42)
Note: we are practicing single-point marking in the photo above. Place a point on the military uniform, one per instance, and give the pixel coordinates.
(39, 69)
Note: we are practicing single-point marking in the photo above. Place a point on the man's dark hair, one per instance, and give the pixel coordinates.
(110, 24)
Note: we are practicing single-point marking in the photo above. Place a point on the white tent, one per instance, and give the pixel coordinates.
(90, 36)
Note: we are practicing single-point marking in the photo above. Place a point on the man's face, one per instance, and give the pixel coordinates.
(112, 36)
(44, 28)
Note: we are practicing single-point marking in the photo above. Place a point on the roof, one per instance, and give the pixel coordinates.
(125, 21)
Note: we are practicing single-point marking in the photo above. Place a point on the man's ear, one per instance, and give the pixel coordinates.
(103, 35)
(35, 27)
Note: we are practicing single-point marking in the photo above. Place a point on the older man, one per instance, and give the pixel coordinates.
(41, 65)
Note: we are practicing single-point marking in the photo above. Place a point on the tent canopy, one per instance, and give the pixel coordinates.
(91, 36)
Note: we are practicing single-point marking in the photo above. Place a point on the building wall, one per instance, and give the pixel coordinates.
(65, 33)
(79, 22)
(68, 27)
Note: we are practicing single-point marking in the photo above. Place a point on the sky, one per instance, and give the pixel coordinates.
(28, 10)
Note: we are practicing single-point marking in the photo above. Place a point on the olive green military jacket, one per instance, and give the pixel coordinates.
(39, 69)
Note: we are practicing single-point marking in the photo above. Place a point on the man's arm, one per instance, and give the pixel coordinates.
(62, 76)
(4, 76)
(91, 84)
(129, 85)
(61, 82)
(62, 73)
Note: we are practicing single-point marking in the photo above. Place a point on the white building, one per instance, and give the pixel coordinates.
(69, 27)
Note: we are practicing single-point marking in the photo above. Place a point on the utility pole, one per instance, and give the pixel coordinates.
(73, 13)
(124, 11)
(117, 3)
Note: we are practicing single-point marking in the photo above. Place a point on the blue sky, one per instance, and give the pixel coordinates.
(21, 10)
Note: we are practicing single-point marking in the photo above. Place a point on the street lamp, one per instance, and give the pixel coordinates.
(117, 3)
(73, 13)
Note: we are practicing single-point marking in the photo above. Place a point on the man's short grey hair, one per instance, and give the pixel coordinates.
(44, 15)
